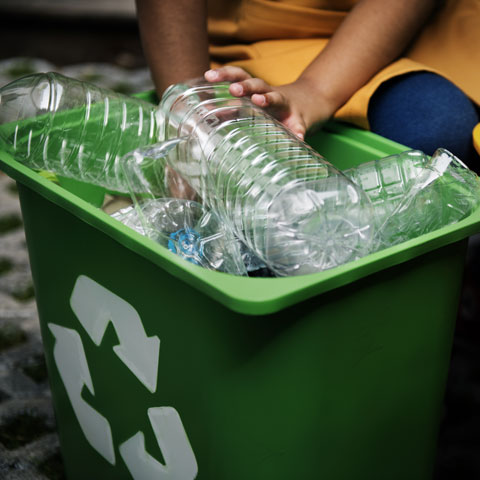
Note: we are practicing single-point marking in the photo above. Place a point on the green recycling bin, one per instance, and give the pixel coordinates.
(160, 369)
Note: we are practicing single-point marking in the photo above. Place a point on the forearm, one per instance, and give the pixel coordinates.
(374, 34)
(174, 38)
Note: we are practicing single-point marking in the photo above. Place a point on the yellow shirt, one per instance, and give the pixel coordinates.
(276, 39)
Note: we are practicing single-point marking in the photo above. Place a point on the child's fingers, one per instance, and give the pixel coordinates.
(297, 127)
(276, 102)
(250, 86)
(260, 92)
(272, 99)
(226, 74)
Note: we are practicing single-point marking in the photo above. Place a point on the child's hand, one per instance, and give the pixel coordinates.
(291, 104)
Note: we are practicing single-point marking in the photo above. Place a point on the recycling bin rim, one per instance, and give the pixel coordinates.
(253, 296)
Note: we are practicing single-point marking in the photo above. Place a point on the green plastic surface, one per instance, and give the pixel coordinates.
(338, 375)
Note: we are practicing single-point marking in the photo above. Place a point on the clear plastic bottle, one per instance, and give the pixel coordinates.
(73, 128)
(414, 194)
(297, 212)
(387, 181)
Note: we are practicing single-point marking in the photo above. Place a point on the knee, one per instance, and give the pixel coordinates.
(425, 111)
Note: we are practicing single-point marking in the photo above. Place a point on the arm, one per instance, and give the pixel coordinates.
(174, 38)
(374, 33)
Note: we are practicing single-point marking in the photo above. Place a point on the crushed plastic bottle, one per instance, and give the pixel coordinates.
(292, 208)
(188, 229)
(73, 128)
(414, 194)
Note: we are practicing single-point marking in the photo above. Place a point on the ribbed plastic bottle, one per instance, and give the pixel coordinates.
(413, 194)
(73, 128)
(387, 182)
(296, 211)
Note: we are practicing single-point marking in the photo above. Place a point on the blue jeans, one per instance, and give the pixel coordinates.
(425, 111)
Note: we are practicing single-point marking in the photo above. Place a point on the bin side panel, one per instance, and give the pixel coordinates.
(348, 384)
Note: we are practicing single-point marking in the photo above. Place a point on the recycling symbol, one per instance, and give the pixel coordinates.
(95, 307)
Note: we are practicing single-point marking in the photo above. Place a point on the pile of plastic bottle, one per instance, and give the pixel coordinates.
(221, 183)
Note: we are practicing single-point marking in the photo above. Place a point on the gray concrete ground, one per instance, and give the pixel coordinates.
(29, 446)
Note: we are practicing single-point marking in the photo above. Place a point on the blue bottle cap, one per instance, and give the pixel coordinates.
(186, 242)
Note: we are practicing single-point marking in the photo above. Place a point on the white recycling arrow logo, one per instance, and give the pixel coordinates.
(72, 364)
(180, 463)
(95, 307)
